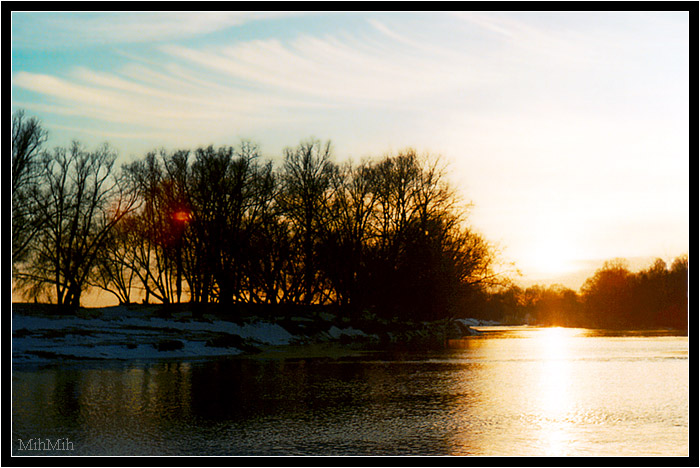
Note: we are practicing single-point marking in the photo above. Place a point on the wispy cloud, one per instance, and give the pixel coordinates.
(256, 81)
(67, 30)
(186, 86)
(539, 42)
(100, 134)
(108, 98)
(329, 68)
(202, 88)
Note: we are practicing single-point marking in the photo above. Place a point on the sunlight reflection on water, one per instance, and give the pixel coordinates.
(510, 391)
(559, 391)
(555, 396)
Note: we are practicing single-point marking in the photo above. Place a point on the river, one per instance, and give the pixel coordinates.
(513, 391)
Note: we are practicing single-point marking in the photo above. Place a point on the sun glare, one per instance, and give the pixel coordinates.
(551, 257)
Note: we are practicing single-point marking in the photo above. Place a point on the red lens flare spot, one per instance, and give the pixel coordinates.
(181, 216)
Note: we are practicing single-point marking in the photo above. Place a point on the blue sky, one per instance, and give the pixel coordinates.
(568, 131)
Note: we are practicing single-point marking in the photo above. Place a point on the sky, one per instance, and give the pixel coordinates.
(567, 131)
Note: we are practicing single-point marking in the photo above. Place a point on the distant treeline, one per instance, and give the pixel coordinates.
(221, 225)
(387, 236)
(614, 297)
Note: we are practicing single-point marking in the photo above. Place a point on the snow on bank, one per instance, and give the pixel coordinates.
(124, 333)
(335, 332)
(471, 322)
(469, 325)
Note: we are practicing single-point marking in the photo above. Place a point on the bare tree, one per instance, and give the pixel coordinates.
(422, 256)
(151, 249)
(217, 196)
(348, 233)
(304, 199)
(114, 272)
(274, 273)
(79, 200)
(28, 136)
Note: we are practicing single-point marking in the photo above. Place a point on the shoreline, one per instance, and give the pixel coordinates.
(45, 334)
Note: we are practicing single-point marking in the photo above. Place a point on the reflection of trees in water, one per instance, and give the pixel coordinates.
(55, 391)
(67, 395)
(104, 401)
(240, 389)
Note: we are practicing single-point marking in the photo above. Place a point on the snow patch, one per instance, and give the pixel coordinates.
(335, 332)
(121, 334)
(266, 333)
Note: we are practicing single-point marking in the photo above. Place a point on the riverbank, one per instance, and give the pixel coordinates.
(44, 334)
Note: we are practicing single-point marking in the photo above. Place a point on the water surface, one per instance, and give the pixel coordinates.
(512, 391)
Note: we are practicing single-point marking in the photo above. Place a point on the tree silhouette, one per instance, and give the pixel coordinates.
(149, 251)
(676, 311)
(388, 236)
(28, 136)
(348, 234)
(230, 196)
(607, 295)
(304, 200)
(614, 298)
(114, 271)
(79, 201)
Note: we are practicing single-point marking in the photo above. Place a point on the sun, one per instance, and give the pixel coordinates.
(552, 264)
(551, 256)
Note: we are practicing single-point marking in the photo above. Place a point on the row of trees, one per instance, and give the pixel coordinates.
(614, 297)
(222, 225)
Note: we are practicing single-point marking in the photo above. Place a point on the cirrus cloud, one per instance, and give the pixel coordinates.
(70, 30)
